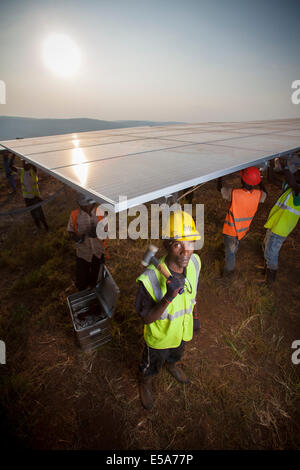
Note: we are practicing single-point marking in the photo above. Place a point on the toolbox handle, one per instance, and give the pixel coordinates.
(95, 332)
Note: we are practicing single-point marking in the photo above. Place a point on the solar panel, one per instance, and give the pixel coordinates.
(145, 163)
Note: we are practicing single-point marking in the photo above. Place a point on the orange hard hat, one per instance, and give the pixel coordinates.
(251, 175)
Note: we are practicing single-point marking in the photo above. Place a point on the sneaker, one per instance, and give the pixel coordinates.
(228, 274)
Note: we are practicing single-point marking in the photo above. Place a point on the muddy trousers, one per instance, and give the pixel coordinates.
(9, 174)
(87, 273)
(153, 359)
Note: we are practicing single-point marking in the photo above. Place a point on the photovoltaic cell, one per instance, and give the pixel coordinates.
(145, 163)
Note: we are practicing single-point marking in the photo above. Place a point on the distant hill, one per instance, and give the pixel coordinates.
(12, 127)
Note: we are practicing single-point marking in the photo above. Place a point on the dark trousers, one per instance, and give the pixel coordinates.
(87, 273)
(37, 213)
(153, 359)
(9, 174)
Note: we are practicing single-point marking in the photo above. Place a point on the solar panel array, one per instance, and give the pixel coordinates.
(145, 163)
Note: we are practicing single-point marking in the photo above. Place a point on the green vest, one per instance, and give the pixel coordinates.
(35, 188)
(176, 322)
(284, 215)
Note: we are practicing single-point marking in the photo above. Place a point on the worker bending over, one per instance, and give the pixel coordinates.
(8, 159)
(282, 219)
(30, 191)
(167, 314)
(243, 206)
(89, 249)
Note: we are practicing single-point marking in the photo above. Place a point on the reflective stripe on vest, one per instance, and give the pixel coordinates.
(176, 322)
(177, 314)
(283, 205)
(242, 209)
(74, 215)
(283, 216)
(35, 188)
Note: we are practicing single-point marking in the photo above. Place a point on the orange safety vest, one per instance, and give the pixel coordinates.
(74, 215)
(242, 209)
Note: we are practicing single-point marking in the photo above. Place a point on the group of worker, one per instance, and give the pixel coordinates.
(167, 306)
(29, 185)
(244, 203)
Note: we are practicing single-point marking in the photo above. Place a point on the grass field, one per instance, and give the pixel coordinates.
(244, 391)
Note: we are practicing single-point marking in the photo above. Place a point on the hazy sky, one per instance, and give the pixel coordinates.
(160, 60)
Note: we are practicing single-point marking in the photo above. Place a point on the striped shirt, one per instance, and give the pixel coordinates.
(90, 246)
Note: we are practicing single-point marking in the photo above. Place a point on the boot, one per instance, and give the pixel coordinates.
(228, 274)
(226, 277)
(271, 276)
(145, 389)
(179, 374)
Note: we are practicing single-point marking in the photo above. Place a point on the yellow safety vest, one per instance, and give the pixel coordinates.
(284, 215)
(176, 322)
(35, 188)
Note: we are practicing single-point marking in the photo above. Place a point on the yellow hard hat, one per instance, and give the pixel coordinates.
(180, 226)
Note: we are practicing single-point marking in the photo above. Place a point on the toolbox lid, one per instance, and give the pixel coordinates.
(107, 292)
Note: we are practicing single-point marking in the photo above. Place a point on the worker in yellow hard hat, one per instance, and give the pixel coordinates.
(166, 306)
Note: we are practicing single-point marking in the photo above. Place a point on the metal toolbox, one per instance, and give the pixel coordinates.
(91, 311)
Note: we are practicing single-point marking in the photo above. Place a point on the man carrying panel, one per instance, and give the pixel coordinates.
(243, 207)
(283, 216)
(89, 249)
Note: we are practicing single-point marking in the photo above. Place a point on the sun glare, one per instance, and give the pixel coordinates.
(61, 55)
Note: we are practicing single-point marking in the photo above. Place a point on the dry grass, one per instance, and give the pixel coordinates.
(244, 391)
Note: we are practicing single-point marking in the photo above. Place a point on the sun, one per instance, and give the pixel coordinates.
(61, 55)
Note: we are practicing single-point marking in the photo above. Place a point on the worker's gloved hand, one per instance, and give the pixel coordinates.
(92, 232)
(79, 239)
(174, 284)
(196, 324)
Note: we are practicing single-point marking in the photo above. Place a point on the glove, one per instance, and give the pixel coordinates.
(92, 233)
(78, 239)
(174, 284)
